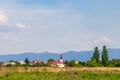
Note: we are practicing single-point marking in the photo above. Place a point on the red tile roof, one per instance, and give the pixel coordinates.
(57, 62)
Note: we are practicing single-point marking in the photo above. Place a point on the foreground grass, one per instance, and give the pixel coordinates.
(72, 75)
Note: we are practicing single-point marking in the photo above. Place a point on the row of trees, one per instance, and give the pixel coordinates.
(95, 59)
(99, 58)
(110, 63)
(31, 64)
(96, 56)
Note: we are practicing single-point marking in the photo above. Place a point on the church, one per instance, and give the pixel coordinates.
(58, 63)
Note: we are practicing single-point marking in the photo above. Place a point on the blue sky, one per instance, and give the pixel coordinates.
(58, 25)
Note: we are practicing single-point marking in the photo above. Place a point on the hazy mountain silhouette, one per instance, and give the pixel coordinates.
(80, 56)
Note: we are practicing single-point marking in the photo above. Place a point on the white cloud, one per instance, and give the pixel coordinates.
(7, 24)
(20, 25)
(3, 18)
(103, 39)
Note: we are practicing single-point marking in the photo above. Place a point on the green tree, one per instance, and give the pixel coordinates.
(96, 54)
(27, 61)
(50, 60)
(105, 56)
(114, 63)
(92, 63)
(66, 62)
(72, 63)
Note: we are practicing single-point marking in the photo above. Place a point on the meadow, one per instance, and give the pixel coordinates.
(48, 73)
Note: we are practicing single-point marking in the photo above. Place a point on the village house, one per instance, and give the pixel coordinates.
(58, 63)
(8, 63)
(36, 61)
(22, 62)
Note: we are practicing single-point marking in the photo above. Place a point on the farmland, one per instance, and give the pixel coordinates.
(49, 73)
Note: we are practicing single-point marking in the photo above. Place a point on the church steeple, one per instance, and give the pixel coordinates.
(60, 56)
(61, 59)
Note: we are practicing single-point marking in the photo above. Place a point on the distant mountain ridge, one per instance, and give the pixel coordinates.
(80, 56)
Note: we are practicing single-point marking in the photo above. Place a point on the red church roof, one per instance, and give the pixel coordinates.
(57, 62)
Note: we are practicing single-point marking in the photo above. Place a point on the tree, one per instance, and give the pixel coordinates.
(27, 61)
(66, 62)
(96, 54)
(105, 56)
(72, 63)
(92, 63)
(114, 63)
(50, 60)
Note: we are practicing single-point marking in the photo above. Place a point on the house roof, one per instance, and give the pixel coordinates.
(36, 60)
(57, 62)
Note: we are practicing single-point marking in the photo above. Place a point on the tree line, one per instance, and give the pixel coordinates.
(99, 59)
(95, 60)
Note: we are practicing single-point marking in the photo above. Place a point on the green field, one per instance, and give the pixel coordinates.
(72, 75)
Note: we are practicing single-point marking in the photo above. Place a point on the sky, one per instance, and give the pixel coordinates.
(58, 25)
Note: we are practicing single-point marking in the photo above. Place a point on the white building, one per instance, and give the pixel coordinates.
(22, 62)
(58, 63)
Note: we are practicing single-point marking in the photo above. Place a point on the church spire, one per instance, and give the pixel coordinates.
(60, 56)
(61, 59)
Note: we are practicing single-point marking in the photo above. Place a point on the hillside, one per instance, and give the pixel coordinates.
(81, 55)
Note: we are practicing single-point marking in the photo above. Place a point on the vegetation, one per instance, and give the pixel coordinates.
(94, 62)
(96, 54)
(71, 75)
(75, 70)
(105, 56)
(27, 61)
(50, 60)
(114, 63)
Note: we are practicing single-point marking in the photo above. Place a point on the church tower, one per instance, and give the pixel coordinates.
(61, 59)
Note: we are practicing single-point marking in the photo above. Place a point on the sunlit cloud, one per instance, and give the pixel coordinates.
(3, 18)
(20, 25)
(103, 39)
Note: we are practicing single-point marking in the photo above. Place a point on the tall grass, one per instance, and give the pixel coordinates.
(48, 73)
(70, 75)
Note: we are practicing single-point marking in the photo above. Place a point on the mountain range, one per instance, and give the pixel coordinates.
(70, 55)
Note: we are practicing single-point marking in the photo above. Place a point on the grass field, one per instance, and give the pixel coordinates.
(60, 74)
(73, 75)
